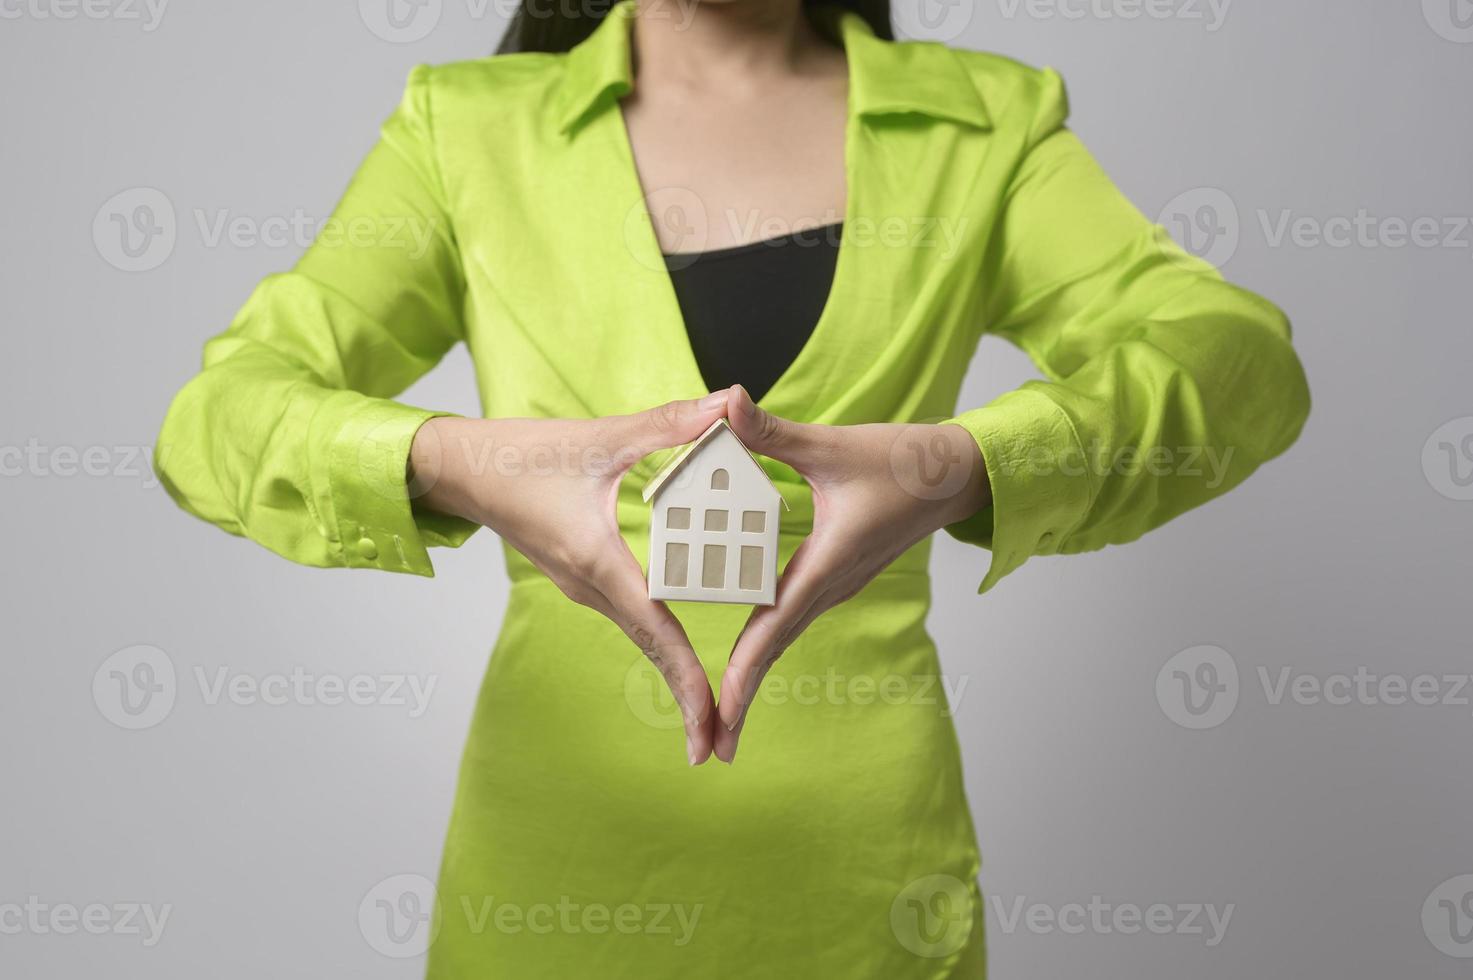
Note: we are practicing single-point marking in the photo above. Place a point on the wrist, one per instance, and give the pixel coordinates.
(438, 476)
(976, 493)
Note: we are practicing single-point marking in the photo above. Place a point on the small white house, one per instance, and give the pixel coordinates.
(714, 522)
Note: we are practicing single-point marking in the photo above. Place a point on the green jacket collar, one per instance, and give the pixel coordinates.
(885, 78)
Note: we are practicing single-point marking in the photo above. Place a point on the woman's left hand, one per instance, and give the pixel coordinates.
(877, 490)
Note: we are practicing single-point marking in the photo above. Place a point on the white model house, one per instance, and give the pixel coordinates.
(713, 527)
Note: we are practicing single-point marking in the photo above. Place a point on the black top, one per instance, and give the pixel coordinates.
(750, 309)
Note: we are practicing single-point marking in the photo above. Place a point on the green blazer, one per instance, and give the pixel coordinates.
(501, 208)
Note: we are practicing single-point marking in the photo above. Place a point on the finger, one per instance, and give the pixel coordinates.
(799, 444)
(726, 740)
(829, 597)
(769, 630)
(656, 631)
(667, 426)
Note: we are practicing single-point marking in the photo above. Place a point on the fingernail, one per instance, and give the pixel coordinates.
(690, 752)
(749, 406)
(733, 726)
(713, 400)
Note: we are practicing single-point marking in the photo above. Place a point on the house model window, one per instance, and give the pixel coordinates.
(713, 524)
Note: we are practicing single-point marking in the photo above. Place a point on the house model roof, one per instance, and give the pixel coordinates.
(679, 460)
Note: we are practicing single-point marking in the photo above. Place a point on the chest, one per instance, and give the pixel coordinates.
(729, 171)
(571, 308)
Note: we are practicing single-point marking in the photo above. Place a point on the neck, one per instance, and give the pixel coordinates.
(705, 42)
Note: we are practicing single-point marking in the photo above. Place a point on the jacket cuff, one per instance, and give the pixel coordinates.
(1041, 484)
(369, 518)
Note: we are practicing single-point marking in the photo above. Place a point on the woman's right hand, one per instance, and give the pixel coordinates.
(548, 487)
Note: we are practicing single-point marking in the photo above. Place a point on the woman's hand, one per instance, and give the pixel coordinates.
(548, 487)
(877, 490)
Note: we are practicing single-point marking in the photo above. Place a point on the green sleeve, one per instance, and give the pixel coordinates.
(287, 436)
(1166, 386)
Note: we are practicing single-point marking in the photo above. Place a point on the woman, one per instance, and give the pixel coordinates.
(921, 196)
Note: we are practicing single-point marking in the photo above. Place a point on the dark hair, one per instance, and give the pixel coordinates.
(549, 25)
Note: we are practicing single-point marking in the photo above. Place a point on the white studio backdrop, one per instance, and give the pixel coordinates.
(1254, 718)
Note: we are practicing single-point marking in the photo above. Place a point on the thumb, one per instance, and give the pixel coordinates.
(671, 424)
(786, 441)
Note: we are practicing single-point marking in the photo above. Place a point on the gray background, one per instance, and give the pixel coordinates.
(262, 827)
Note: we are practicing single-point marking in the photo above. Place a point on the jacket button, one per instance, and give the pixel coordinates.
(1046, 540)
(367, 549)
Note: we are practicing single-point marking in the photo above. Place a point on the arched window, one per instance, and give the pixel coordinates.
(720, 480)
